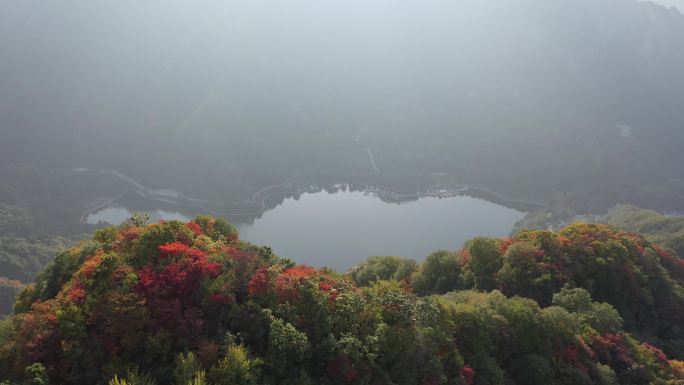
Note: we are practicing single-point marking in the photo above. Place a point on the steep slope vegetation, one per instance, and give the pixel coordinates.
(640, 279)
(667, 231)
(190, 303)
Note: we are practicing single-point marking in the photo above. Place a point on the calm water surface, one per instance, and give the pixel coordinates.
(342, 229)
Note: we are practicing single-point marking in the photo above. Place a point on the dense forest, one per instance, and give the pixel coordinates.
(190, 303)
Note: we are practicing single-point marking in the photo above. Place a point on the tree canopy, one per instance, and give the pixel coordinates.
(191, 303)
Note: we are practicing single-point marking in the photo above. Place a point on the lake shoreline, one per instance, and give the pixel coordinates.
(258, 203)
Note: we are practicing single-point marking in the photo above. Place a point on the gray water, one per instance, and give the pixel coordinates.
(341, 229)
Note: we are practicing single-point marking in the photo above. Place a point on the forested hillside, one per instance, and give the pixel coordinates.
(667, 231)
(190, 303)
(40, 212)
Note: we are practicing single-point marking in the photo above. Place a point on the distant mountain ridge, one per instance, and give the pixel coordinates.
(540, 91)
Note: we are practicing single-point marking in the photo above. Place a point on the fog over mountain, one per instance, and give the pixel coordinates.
(679, 4)
(178, 94)
(567, 103)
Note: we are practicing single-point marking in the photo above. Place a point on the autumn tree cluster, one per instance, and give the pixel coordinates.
(192, 304)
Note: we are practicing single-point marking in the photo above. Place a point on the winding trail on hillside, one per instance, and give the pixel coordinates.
(372, 160)
(258, 197)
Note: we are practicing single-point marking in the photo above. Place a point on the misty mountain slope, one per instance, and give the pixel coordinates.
(555, 95)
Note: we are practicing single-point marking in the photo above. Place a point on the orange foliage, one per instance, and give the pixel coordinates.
(677, 369)
(288, 281)
(129, 234)
(194, 227)
(76, 294)
(258, 285)
(179, 249)
(89, 266)
(504, 244)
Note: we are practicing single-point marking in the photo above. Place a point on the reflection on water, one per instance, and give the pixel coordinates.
(342, 229)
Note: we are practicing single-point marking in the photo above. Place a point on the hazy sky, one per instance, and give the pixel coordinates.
(268, 89)
(671, 3)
